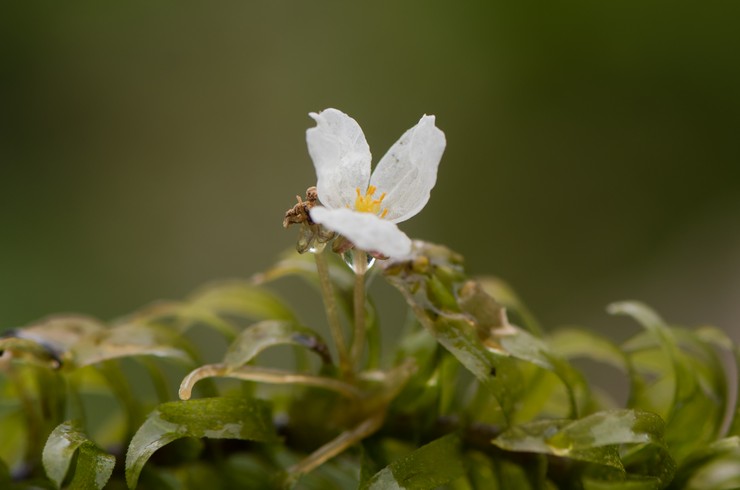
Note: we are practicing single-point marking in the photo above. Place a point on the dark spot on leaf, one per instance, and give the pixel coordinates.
(492, 372)
(315, 345)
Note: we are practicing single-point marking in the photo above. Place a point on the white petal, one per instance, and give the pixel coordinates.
(366, 230)
(408, 171)
(341, 156)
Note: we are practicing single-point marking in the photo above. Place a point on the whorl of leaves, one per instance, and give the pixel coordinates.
(467, 399)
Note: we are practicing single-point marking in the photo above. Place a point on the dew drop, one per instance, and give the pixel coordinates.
(349, 259)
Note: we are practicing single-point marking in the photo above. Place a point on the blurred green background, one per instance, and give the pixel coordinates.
(593, 150)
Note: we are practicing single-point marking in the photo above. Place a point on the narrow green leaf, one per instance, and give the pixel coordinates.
(158, 378)
(734, 427)
(472, 326)
(422, 395)
(52, 338)
(337, 473)
(704, 457)
(594, 439)
(180, 316)
(628, 483)
(523, 345)
(712, 397)
(4, 474)
(690, 387)
(481, 473)
(294, 264)
(505, 294)
(722, 341)
(649, 461)
(720, 473)
(93, 470)
(219, 418)
(544, 396)
(93, 466)
(428, 467)
(242, 299)
(646, 316)
(610, 428)
(60, 448)
(211, 305)
(571, 343)
(428, 282)
(189, 315)
(511, 475)
(29, 350)
(126, 340)
(534, 437)
(14, 429)
(260, 336)
(121, 387)
(368, 467)
(495, 371)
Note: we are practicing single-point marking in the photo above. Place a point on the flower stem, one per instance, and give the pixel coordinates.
(332, 312)
(358, 340)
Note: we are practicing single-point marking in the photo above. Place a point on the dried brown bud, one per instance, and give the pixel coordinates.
(312, 236)
(300, 212)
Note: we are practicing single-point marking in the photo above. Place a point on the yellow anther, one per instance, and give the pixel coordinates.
(366, 203)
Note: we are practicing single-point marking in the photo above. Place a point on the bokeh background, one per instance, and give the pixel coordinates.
(593, 147)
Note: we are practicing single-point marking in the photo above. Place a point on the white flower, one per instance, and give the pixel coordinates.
(363, 207)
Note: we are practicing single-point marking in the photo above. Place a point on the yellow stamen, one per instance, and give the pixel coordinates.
(366, 203)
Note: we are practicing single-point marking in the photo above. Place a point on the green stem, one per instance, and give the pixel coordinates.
(158, 379)
(336, 446)
(121, 389)
(332, 312)
(264, 375)
(358, 340)
(73, 388)
(374, 342)
(34, 421)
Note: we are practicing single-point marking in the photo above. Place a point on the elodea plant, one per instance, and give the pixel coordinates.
(467, 399)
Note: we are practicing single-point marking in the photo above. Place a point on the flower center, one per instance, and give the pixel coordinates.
(366, 203)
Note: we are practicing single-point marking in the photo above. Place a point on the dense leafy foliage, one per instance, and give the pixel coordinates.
(467, 399)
